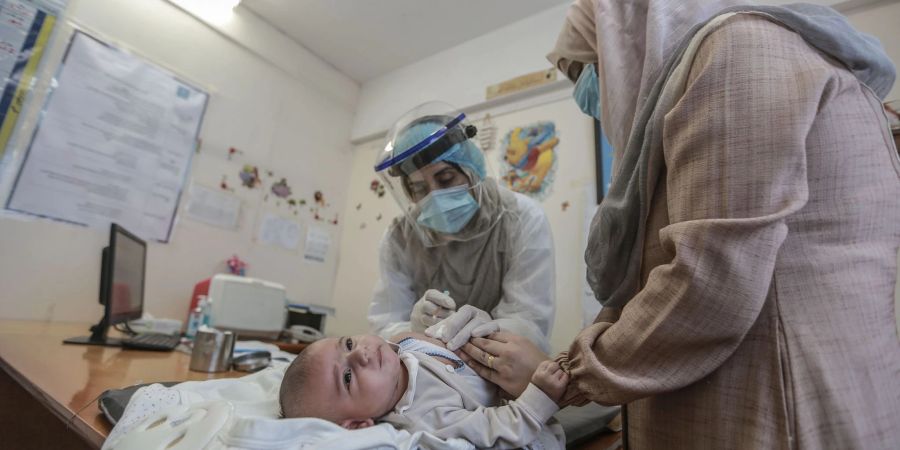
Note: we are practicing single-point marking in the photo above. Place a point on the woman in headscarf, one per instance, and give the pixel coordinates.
(746, 254)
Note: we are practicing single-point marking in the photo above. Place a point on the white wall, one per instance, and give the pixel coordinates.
(357, 271)
(295, 121)
(461, 74)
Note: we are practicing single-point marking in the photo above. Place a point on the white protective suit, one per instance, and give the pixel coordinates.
(508, 272)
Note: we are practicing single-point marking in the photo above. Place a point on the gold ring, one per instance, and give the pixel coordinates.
(490, 361)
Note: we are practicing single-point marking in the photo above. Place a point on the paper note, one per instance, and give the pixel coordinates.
(279, 232)
(317, 243)
(213, 207)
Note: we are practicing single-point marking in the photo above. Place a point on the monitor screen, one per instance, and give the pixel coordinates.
(126, 278)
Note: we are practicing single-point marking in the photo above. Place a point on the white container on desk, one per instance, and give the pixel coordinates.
(247, 306)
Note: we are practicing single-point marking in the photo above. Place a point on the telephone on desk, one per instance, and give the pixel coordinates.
(305, 333)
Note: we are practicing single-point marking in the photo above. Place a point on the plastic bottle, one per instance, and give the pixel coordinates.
(203, 304)
(194, 321)
(207, 312)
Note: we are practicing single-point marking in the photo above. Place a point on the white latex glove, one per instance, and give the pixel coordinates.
(466, 323)
(433, 307)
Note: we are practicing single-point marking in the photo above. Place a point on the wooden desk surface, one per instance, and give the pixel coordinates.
(69, 378)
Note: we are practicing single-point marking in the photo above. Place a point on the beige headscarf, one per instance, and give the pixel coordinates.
(629, 42)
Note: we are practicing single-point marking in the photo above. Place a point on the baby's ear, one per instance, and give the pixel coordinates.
(355, 424)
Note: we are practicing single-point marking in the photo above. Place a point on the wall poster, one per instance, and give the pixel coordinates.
(114, 143)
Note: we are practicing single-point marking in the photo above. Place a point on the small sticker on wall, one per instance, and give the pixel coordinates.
(224, 184)
(281, 189)
(376, 187)
(232, 152)
(250, 176)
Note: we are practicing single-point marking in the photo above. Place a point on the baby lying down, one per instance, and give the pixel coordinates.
(418, 385)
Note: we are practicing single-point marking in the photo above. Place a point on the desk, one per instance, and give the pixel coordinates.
(49, 390)
(66, 381)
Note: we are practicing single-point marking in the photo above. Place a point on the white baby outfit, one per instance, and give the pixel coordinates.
(452, 401)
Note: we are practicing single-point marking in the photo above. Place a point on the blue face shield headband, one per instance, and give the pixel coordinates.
(587, 92)
(438, 145)
(447, 210)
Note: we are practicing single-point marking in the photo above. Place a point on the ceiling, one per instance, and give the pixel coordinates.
(367, 38)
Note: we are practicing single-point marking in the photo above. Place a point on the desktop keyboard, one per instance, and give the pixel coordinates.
(152, 341)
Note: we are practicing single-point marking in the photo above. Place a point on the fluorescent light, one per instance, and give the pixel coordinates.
(217, 12)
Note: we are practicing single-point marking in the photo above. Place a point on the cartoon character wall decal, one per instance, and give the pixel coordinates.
(529, 159)
(250, 176)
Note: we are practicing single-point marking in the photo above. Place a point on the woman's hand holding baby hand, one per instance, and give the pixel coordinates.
(551, 379)
(505, 359)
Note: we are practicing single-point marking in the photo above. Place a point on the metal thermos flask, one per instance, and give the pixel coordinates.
(212, 351)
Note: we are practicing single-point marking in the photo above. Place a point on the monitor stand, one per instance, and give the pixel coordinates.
(97, 337)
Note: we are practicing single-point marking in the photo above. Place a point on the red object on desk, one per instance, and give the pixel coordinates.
(201, 288)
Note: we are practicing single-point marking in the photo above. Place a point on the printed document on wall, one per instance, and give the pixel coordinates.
(114, 144)
(279, 232)
(213, 207)
(317, 243)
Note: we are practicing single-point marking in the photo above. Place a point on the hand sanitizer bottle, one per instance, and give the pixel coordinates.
(194, 322)
(206, 305)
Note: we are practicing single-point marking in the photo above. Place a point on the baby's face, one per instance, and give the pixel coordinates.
(354, 378)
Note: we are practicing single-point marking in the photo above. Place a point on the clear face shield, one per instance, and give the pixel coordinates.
(436, 173)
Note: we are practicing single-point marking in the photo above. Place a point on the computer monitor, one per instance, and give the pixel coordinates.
(122, 269)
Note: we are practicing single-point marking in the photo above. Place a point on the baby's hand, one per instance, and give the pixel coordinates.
(551, 379)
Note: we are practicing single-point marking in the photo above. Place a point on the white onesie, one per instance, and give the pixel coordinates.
(452, 401)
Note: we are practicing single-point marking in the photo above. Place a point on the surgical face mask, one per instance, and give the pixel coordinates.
(447, 210)
(587, 92)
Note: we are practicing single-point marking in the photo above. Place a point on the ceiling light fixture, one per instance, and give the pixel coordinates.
(217, 12)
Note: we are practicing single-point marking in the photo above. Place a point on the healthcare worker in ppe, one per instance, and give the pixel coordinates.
(463, 243)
